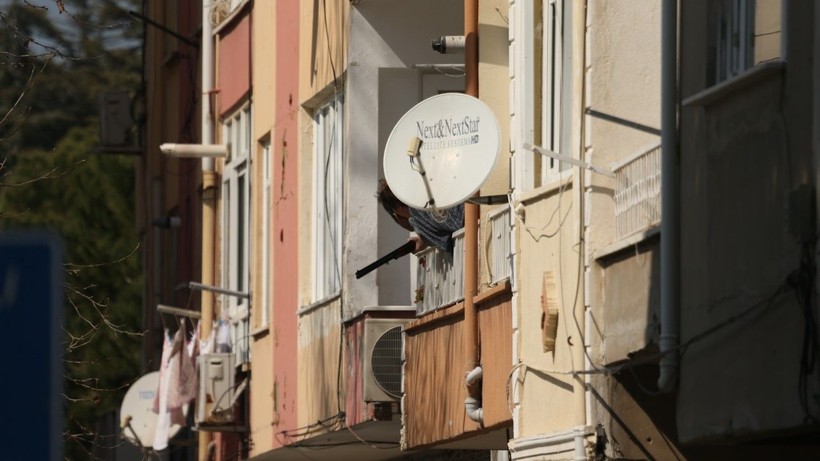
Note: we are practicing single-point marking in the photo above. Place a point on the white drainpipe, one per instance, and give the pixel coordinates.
(472, 405)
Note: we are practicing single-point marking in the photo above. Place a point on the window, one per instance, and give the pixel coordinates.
(236, 224)
(265, 305)
(747, 33)
(328, 145)
(540, 89)
(556, 81)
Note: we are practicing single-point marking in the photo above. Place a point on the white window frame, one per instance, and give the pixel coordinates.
(532, 170)
(556, 87)
(236, 223)
(327, 206)
(552, 86)
(267, 266)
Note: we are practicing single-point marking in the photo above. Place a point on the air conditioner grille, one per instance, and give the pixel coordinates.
(385, 361)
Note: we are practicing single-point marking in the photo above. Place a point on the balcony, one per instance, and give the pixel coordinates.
(638, 192)
(440, 277)
(434, 389)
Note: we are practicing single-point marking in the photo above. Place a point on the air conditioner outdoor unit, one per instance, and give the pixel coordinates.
(382, 356)
(214, 403)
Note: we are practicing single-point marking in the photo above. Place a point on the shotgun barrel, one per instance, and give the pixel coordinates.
(405, 249)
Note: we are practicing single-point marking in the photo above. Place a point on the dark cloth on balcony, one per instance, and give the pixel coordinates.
(437, 230)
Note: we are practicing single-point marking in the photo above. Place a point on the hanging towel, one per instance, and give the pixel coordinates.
(183, 376)
(160, 405)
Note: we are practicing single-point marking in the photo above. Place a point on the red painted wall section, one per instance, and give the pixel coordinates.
(286, 230)
(234, 77)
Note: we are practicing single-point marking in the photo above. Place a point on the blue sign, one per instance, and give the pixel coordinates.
(31, 313)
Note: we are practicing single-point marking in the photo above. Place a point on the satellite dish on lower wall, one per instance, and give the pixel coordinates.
(138, 419)
(441, 151)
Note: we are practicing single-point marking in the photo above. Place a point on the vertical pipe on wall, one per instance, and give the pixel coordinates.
(208, 194)
(471, 340)
(670, 207)
(816, 116)
(577, 110)
(579, 384)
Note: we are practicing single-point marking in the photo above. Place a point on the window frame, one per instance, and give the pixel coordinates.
(540, 90)
(554, 100)
(327, 218)
(266, 279)
(734, 38)
(236, 224)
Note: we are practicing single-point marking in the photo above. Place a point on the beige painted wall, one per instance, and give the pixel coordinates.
(494, 84)
(319, 385)
(322, 53)
(264, 68)
(264, 81)
(623, 86)
(623, 76)
(547, 242)
(319, 329)
(316, 74)
(623, 98)
(621, 81)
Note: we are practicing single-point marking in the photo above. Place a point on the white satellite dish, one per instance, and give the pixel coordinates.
(441, 151)
(139, 421)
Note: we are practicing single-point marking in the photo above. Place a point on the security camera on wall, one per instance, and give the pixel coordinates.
(449, 44)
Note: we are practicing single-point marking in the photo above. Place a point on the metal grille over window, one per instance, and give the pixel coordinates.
(501, 251)
(386, 361)
(638, 192)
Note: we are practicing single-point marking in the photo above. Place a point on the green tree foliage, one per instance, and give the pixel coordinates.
(55, 58)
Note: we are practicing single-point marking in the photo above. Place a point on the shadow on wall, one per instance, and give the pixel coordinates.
(406, 29)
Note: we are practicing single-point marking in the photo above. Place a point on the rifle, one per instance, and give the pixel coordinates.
(405, 249)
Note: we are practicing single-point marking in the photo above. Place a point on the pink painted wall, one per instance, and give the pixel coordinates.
(286, 230)
(234, 67)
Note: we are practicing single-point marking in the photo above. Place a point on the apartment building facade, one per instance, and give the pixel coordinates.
(601, 323)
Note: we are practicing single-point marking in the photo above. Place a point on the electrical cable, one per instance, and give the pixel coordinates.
(683, 347)
(338, 117)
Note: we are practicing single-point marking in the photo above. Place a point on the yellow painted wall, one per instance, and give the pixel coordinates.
(262, 414)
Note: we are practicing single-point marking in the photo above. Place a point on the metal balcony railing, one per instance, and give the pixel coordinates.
(638, 192)
(440, 277)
